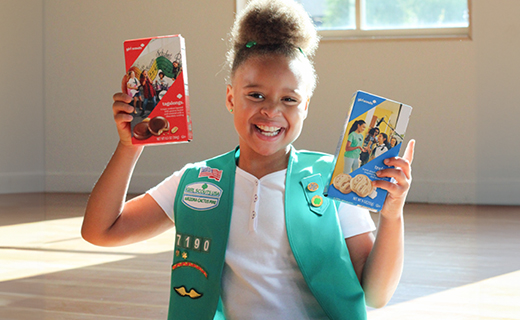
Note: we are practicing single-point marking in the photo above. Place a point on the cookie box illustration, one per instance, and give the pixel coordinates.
(374, 131)
(157, 81)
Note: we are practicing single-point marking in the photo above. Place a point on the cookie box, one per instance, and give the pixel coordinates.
(373, 131)
(157, 81)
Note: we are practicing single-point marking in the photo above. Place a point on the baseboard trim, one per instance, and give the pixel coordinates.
(492, 192)
(22, 182)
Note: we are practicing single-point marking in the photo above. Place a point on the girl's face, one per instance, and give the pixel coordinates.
(361, 128)
(269, 101)
(380, 139)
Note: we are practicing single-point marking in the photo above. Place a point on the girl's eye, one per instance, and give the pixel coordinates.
(290, 100)
(255, 95)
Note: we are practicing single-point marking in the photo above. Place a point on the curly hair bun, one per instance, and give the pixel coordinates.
(275, 22)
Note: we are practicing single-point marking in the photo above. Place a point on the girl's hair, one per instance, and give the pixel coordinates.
(372, 131)
(385, 141)
(355, 126)
(142, 78)
(273, 27)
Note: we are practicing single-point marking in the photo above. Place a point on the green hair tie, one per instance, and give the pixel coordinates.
(250, 44)
(302, 51)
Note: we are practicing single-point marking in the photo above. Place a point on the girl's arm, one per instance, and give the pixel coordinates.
(109, 221)
(378, 261)
(349, 148)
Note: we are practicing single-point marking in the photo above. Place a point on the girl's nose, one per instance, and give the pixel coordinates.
(271, 109)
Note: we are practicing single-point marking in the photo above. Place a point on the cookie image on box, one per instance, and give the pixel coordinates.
(342, 183)
(361, 185)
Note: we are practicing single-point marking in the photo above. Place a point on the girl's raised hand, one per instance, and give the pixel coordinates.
(398, 190)
(122, 116)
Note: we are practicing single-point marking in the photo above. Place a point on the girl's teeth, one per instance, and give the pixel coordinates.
(269, 131)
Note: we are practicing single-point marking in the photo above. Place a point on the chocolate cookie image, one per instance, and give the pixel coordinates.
(141, 131)
(158, 125)
(342, 183)
(361, 185)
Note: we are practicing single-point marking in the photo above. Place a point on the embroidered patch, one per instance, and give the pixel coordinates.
(181, 291)
(191, 265)
(210, 173)
(201, 196)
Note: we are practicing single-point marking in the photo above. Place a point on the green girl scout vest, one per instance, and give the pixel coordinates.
(202, 210)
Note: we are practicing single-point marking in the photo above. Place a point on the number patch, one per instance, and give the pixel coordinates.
(189, 242)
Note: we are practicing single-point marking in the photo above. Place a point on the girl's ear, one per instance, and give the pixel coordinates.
(307, 108)
(230, 103)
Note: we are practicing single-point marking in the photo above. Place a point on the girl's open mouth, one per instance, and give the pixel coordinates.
(268, 131)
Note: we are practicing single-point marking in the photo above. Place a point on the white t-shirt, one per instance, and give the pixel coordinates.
(135, 84)
(379, 150)
(261, 279)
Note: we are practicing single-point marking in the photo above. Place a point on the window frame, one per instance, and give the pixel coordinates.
(455, 33)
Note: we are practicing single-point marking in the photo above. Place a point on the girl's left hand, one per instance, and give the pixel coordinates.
(398, 190)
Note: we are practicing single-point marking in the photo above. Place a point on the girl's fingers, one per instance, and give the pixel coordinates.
(401, 171)
(392, 188)
(122, 97)
(404, 163)
(400, 164)
(398, 174)
(122, 107)
(410, 149)
(123, 117)
(121, 103)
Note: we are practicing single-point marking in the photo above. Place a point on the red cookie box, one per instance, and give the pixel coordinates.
(157, 80)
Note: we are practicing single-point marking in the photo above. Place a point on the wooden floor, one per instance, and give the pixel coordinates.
(462, 262)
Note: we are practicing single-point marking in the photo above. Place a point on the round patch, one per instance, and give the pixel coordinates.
(313, 186)
(317, 201)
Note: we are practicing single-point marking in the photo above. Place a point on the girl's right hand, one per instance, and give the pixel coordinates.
(122, 116)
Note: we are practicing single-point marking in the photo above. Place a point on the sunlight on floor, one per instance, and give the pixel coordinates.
(40, 248)
(37, 248)
(497, 298)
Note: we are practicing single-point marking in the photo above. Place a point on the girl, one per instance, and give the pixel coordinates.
(368, 144)
(148, 92)
(255, 239)
(132, 86)
(354, 146)
(382, 145)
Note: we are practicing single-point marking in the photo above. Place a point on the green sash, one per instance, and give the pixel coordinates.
(202, 210)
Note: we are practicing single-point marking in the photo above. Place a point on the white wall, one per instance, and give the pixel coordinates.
(463, 94)
(85, 52)
(21, 96)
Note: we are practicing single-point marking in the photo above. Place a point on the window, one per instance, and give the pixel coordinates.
(376, 19)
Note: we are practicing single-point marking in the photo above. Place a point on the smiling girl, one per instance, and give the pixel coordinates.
(255, 238)
(354, 146)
